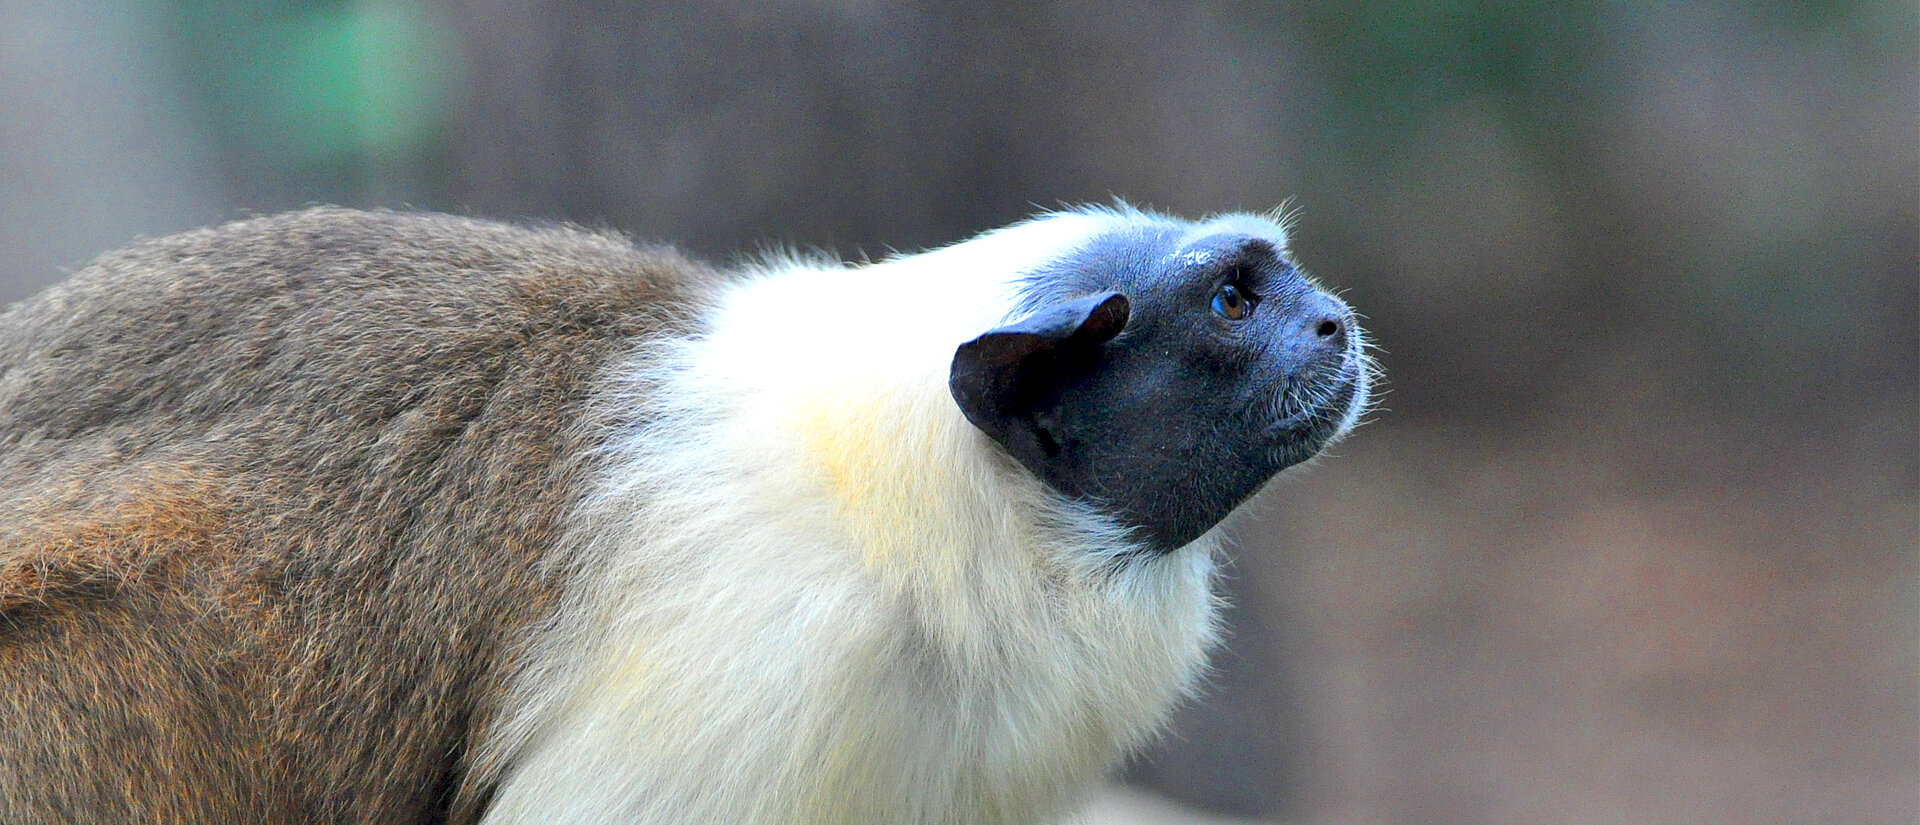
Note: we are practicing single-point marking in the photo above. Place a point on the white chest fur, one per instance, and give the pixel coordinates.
(811, 592)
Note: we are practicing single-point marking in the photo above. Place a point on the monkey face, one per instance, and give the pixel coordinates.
(1164, 371)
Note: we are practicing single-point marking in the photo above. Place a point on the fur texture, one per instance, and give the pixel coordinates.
(820, 596)
(273, 499)
(365, 517)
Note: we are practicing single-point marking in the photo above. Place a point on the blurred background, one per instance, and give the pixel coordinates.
(1636, 534)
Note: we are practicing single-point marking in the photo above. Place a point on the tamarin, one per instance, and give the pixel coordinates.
(370, 517)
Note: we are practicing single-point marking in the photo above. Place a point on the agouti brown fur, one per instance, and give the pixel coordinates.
(271, 498)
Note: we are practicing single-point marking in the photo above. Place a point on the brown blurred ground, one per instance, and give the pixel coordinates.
(1636, 534)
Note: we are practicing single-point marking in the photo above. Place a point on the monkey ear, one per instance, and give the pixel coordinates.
(1007, 381)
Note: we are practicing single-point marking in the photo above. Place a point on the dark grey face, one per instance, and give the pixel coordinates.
(1165, 371)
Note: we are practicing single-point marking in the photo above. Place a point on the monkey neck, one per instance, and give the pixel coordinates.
(804, 569)
(852, 428)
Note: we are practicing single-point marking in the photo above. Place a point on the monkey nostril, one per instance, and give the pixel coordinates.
(1328, 328)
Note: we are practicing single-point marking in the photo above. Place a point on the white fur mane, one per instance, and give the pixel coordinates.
(808, 591)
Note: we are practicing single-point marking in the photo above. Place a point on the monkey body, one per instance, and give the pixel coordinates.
(274, 498)
(364, 517)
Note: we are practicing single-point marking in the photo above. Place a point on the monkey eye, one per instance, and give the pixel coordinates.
(1233, 303)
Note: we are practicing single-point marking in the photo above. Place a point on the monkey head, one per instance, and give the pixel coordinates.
(1164, 371)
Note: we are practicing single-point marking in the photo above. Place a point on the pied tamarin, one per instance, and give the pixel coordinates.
(343, 516)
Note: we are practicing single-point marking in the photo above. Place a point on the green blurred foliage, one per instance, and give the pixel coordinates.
(313, 81)
(1395, 64)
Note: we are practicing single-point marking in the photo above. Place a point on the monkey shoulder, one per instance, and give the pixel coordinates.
(239, 389)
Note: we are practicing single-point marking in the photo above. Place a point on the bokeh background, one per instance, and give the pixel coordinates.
(1636, 534)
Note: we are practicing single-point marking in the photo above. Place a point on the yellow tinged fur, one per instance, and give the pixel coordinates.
(883, 469)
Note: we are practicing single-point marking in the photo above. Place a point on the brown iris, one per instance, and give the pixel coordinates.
(1233, 303)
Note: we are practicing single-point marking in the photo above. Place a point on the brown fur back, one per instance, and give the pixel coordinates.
(272, 499)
